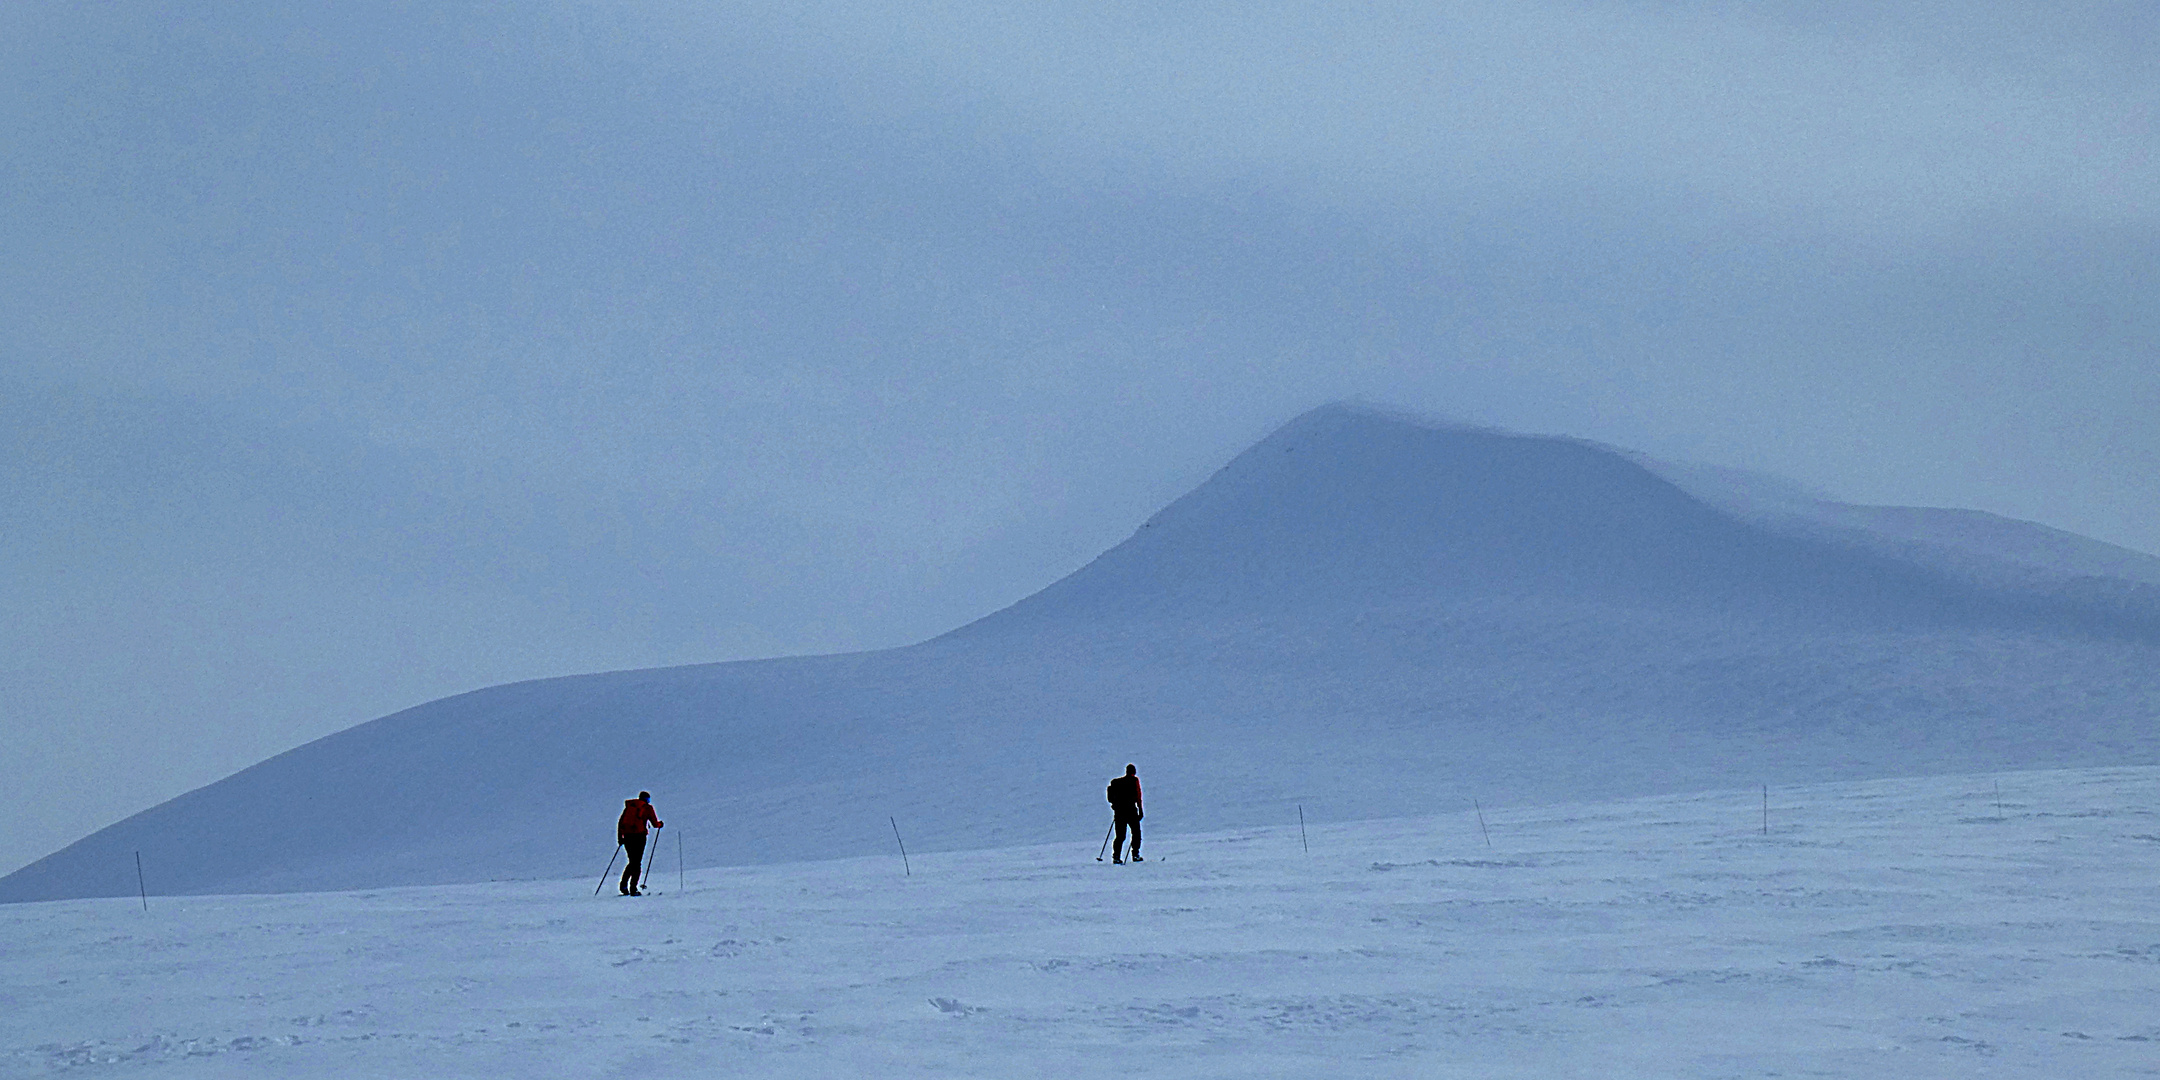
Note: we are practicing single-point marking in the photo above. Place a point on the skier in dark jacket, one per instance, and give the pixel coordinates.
(1124, 793)
(630, 831)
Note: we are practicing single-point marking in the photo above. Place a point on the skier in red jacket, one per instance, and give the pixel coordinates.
(630, 832)
(1124, 793)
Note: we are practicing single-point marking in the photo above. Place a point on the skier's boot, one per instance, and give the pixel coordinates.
(1136, 857)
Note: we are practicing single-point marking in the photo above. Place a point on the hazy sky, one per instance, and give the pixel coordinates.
(361, 354)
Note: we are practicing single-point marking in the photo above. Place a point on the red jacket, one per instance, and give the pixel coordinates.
(1125, 791)
(635, 813)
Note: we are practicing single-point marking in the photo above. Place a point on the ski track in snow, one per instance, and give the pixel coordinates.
(1887, 928)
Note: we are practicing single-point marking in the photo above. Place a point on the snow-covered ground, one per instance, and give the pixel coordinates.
(1906, 928)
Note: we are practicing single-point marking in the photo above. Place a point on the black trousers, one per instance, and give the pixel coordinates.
(1126, 821)
(635, 845)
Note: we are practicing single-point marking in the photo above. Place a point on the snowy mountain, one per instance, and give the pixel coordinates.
(1367, 614)
(1351, 507)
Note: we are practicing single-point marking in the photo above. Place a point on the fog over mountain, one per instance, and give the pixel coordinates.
(1366, 613)
(360, 355)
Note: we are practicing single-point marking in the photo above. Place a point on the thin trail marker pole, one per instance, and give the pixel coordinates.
(1481, 823)
(1301, 829)
(1766, 809)
(1105, 841)
(610, 868)
(903, 848)
(144, 890)
(678, 864)
(1998, 801)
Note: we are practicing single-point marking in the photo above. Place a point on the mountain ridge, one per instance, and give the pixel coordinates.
(1367, 615)
(1435, 510)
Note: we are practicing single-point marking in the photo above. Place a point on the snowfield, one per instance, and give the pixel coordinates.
(1908, 928)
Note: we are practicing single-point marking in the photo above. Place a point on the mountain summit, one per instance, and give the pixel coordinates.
(1366, 614)
(1351, 506)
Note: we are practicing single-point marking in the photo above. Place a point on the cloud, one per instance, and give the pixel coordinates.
(1925, 119)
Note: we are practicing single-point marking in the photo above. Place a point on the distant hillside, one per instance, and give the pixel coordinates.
(1358, 507)
(1969, 544)
(1366, 613)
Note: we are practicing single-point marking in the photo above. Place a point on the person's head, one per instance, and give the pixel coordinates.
(1132, 770)
(643, 795)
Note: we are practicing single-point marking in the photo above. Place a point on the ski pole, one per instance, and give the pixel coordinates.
(1106, 840)
(610, 869)
(651, 857)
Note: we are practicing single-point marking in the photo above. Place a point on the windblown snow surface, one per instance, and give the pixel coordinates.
(1952, 927)
(1371, 615)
